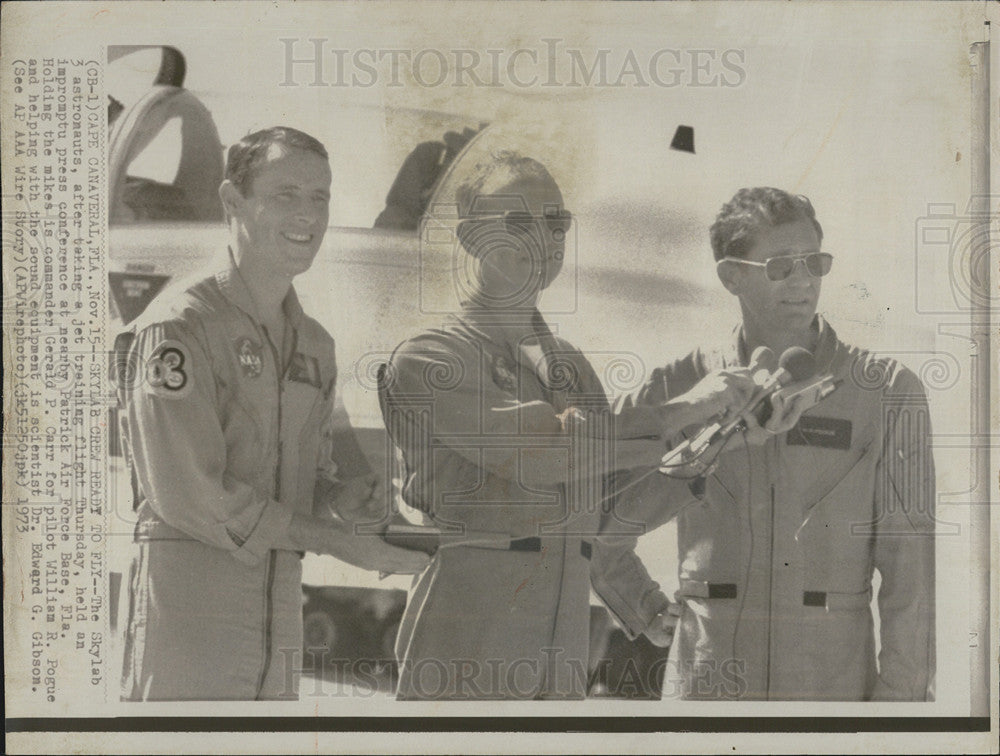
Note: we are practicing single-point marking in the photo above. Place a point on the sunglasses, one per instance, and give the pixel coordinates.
(518, 221)
(779, 268)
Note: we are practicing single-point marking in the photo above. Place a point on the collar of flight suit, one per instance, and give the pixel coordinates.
(824, 352)
(515, 330)
(526, 339)
(234, 287)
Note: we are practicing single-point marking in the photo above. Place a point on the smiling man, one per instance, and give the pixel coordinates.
(507, 439)
(778, 555)
(240, 462)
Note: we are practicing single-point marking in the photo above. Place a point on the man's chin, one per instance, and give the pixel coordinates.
(300, 262)
(799, 321)
(804, 311)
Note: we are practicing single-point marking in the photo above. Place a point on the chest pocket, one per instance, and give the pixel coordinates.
(822, 451)
(810, 475)
(247, 397)
(303, 408)
(836, 533)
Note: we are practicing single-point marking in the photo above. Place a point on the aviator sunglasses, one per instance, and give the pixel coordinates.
(779, 268)
(558, 224)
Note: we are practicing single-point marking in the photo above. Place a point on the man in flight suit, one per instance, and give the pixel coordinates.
(230, 431)
(506, 435)
(777, 557)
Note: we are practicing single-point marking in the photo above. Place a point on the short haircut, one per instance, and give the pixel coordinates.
(502, 167)
(246, 156)
(751, 211)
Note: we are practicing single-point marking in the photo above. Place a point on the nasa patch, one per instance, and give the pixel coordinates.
(167, 370)
(250, 357)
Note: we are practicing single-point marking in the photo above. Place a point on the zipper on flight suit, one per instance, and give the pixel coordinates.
(272, 555)
(770, 452)
(770, 592)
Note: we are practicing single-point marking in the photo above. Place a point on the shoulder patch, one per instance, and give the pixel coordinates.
(249, 355)
(167, 370)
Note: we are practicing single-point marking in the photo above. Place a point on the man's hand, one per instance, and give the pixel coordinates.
(784, 416)
(358, 500)
(339, 539)
(660, 630)
(571, 420)
(721, 392)
(372, 553)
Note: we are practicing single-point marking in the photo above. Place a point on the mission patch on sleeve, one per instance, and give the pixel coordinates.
(167, 370)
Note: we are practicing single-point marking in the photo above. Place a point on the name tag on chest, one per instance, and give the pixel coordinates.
(825, 432)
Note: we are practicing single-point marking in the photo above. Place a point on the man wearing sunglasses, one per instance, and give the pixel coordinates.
(778, 557)
(504, 432)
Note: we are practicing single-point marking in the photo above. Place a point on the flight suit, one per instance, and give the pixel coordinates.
(777, 554)
(225, 439)
(478, 410)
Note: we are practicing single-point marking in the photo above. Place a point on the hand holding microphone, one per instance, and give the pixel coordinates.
(756, 417)
(738, 392)
(720, 394)
(768, 413)
(774, 417)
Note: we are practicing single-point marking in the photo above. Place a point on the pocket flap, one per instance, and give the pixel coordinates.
(705, 589)
(832, 601)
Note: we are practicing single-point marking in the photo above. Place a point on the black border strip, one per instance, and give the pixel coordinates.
(499, 724)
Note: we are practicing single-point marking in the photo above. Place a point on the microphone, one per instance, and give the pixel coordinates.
(810, 392)
(762, 361)
(762, 364)
(796, 364)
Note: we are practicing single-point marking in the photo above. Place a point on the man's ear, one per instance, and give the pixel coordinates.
(231, 198)
(729, 275)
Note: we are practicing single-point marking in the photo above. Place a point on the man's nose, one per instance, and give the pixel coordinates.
(305, 213)
(800, 272)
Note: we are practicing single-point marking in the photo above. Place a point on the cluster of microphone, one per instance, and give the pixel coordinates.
(793, 376)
